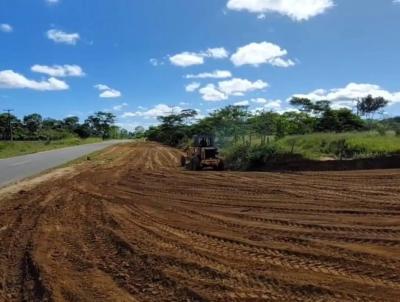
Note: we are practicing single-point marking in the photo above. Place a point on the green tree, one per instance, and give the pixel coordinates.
(71, 123)
(308, 106)
(369, 105)
(6, 122)
(339, 121)
(33, 123)
(100, 123)
(348, 121)
(84, 130)
(304, 104)
(299, 122)
(188, 115)
(264, 124)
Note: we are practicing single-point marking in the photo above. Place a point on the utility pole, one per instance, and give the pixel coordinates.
(9, 126)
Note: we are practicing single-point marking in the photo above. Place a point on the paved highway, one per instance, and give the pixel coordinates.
(20, 167)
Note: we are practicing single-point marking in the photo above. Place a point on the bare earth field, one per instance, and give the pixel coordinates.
(130, 225)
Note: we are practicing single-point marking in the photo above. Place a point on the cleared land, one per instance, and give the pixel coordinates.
(132, 226)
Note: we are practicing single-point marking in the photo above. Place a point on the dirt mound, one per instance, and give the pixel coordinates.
(297, 163)
(130, 225)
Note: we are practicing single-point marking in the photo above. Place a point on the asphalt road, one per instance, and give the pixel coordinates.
(20, 167)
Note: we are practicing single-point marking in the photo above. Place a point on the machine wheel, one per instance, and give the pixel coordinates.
(221, 166)
(183, 161)
(195, 164)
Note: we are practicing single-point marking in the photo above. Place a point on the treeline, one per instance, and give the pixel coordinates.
(236, 124)
(34, 127)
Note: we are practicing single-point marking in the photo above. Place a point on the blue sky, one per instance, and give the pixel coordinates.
(141, 59)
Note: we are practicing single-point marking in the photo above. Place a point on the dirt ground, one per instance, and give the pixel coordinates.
(130, 225)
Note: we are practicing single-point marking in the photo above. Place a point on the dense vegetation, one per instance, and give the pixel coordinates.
(34, 127)
(314, 131)
(34, 134)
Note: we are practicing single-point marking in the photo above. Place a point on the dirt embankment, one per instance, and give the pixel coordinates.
(297, 163)
(131, 226)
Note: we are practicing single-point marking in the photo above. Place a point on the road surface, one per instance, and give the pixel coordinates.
(20, 167)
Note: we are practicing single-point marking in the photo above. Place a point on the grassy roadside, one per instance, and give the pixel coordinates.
(333, 145)
(16, 148)
(318, 146)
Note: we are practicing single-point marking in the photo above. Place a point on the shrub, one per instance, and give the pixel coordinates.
(242, 157)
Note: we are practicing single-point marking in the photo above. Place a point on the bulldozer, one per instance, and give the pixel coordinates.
(202, 154)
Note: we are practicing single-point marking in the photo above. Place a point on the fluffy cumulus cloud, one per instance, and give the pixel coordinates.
(6, 28)
(59, 70)
(272, 105)
(120, 107)
(186, 59)
(344, 97)
(261, 104)
(60, 36)
(261, 53)
(232, 87)
(12, 80)
(216, 74)
(156, 111)
(192, 87)
(242, 103)
(107, 92)
(210, 93)
(217, 53)
(297, 10)
(238, 87)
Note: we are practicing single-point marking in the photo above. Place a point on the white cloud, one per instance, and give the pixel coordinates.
(274, 105)
(186, 59)
(52, 1)
(156, 111)
(396, 1)
(216, 74)
(233, 87)
(212, 94)
(266, 105)
(345, 96)
(156, 62)
(102, 87)
(107, 92)
(7, 28)
(242, 103)
(59, 36)
(259, 101)
(59, 70)
(297, 10)
(261, 53)
(217, 53)
(192, 87)
(120, 106)
(239, 87)
(12, 80)
(110, 94)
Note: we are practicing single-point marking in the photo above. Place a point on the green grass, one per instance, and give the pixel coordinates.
(317, 146)
(16, 148)
(354, 145)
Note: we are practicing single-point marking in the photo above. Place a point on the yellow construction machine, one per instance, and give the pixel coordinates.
(202, 154)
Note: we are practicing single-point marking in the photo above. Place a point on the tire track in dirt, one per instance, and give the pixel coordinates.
(133, 226)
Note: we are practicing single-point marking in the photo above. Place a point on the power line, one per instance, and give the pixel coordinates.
(9, 126)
